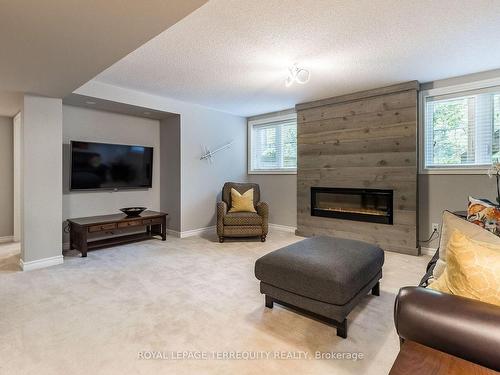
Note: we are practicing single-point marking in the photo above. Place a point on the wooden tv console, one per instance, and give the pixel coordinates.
(154, 222)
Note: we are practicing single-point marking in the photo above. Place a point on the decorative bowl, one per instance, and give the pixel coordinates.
(133, 211)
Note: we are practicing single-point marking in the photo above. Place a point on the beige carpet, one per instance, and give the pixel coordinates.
(104, 313)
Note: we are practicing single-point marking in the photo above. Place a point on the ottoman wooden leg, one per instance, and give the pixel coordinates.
(376, 289)
(269, 302)
(342, 329)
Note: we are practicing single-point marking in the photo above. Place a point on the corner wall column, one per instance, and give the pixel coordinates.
(41, 182)
(170, 176)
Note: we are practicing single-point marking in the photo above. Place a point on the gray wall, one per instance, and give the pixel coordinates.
(280, 192)
(448, 192)
(201, 181)
(170, 176)
(490, 74)
(6, 177)
(41, 179)
(90, 125)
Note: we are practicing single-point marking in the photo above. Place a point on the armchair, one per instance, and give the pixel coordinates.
(242, 224)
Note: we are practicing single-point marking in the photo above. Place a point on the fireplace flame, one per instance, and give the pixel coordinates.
(365, 211)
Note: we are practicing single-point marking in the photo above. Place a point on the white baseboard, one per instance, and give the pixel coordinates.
(173, 233)
(196, 232)
(199, 231)
(284, 228)
(6, 239)
(428, 250)
(41, 263)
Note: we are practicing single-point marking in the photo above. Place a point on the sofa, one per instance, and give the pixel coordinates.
(242, 224)
(463, 327)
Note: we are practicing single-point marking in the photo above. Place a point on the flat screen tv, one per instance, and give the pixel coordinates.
(109, 166)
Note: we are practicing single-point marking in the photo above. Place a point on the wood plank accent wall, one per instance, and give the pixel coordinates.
(362, 140)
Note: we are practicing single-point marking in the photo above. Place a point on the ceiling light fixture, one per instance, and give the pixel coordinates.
(298, 75)
(89, 102)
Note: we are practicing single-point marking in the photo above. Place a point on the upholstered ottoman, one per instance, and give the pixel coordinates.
(325, 276)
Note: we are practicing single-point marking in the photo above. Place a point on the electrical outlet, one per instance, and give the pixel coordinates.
(435, 227)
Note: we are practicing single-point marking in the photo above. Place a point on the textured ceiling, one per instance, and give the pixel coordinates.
(233, 55)
(52, 47)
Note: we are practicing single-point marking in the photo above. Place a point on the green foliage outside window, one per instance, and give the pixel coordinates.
(269, 154)
(450, 132)
(496, 129)
(290, 146)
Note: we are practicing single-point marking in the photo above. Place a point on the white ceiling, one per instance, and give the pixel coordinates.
(52, 47)
(232, 55)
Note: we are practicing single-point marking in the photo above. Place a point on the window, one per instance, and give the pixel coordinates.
(272, 145)
(461, 129)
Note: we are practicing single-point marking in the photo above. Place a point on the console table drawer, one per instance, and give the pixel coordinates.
(151, 221)
(127, 224)
(102, 227)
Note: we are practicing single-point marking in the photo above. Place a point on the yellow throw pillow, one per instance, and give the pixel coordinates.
(472, 270)
(449, 224)
(242, 202)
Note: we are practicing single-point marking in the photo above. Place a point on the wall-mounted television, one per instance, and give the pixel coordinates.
(97, 166)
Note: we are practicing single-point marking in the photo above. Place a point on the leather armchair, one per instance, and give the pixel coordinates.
(459, 326)
(242, 224)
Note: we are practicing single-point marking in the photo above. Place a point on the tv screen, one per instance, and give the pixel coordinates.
(109, 166)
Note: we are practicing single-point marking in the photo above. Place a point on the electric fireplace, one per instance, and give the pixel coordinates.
(371, 205)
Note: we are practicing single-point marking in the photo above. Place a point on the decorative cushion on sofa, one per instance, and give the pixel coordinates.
(242, 218)
(450, 222)
(472, 269)
(242, 202)
(481, 211)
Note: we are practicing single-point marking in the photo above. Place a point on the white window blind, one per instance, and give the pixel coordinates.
(462, 130)
(273, 145)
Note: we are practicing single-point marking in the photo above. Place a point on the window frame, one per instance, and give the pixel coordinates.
(447, 90)
(260, 121)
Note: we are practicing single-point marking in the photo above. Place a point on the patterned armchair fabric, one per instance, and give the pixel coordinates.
(241, 224)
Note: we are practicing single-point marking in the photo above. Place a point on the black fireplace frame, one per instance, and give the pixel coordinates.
(385, 219)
